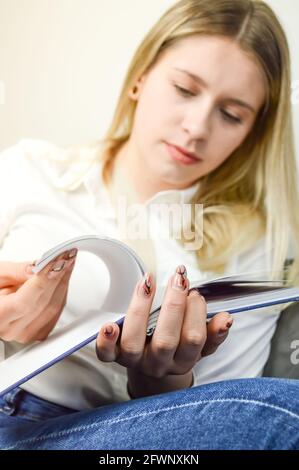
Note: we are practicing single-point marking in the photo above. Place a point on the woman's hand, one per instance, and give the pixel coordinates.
(182, 336)
(31, 304)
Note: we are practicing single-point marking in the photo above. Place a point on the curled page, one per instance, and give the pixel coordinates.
(125, 270)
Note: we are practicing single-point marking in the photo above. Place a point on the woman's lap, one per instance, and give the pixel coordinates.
(241, 414)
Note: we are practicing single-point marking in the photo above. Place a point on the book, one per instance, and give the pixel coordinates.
(235, 294)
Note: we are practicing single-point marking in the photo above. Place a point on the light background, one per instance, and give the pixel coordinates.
(62, 63)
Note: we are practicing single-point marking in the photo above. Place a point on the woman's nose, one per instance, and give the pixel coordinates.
(197, 122)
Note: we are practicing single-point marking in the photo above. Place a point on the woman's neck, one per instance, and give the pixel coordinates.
(144, 184)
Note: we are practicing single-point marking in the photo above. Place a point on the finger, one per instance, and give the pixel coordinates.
(35, 294)
(168, 329)
(8, 290)
(59, 296)
(194, 332)
(217, 332)
(14, 273)
(133, 335)
(49, 271)
(7, 310)
(41, 286)
(106, 344)
(42, 325)
(23, 322)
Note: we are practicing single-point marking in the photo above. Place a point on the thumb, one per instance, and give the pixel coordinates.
(217, 332)
(107, 348)
(14, 273)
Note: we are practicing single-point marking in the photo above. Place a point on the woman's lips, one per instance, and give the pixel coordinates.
(181, 157)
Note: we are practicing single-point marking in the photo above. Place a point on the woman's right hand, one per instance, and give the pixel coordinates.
(31, 304)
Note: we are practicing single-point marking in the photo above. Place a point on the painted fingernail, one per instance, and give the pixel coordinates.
(179, 281)
(72, 253)
(29, 268)
(229, 322)
(58, 266)
(108, 331)
(146, 285)
(56, 269)
(224, 331)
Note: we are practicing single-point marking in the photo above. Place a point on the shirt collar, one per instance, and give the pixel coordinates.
(97, 188)
(179, 196)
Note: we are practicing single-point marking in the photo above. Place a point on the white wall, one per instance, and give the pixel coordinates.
(62, 63)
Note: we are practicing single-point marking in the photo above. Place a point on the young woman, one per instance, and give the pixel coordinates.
(203, 118)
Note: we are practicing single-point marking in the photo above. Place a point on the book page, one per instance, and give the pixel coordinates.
(125, 270)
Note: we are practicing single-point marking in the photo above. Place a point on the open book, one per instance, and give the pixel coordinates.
(234, 294)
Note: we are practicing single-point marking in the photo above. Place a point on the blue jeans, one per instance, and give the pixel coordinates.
(260, 413)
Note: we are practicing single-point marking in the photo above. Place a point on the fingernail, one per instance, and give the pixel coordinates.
(108, 331)
(223, 331)
(29, 267)
(179, 281)
(58, 266)
(56, 269)
(73, 253)
(195, 292)
(146, 285)
(229, 322)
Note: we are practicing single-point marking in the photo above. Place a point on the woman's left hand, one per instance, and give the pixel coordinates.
(181, 338)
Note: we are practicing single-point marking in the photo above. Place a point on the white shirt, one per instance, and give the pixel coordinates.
(36, 214)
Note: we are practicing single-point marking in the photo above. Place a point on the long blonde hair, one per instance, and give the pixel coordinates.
(253, 194)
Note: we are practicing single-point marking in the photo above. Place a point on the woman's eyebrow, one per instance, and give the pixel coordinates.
(204, 84)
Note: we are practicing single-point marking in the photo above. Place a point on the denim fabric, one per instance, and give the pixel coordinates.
(21, 404)
(260, 413)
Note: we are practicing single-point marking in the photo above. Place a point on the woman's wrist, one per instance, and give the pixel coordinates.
(140, 385)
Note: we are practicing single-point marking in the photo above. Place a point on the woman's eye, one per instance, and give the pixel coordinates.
(184, 91)
(230, 117)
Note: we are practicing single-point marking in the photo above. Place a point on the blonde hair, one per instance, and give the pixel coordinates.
(253, 194)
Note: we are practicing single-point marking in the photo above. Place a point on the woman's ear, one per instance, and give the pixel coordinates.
(134, 92)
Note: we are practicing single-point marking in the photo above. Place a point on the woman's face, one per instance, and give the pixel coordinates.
(202, 95)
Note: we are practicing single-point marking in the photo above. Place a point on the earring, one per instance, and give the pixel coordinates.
(133, 93)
